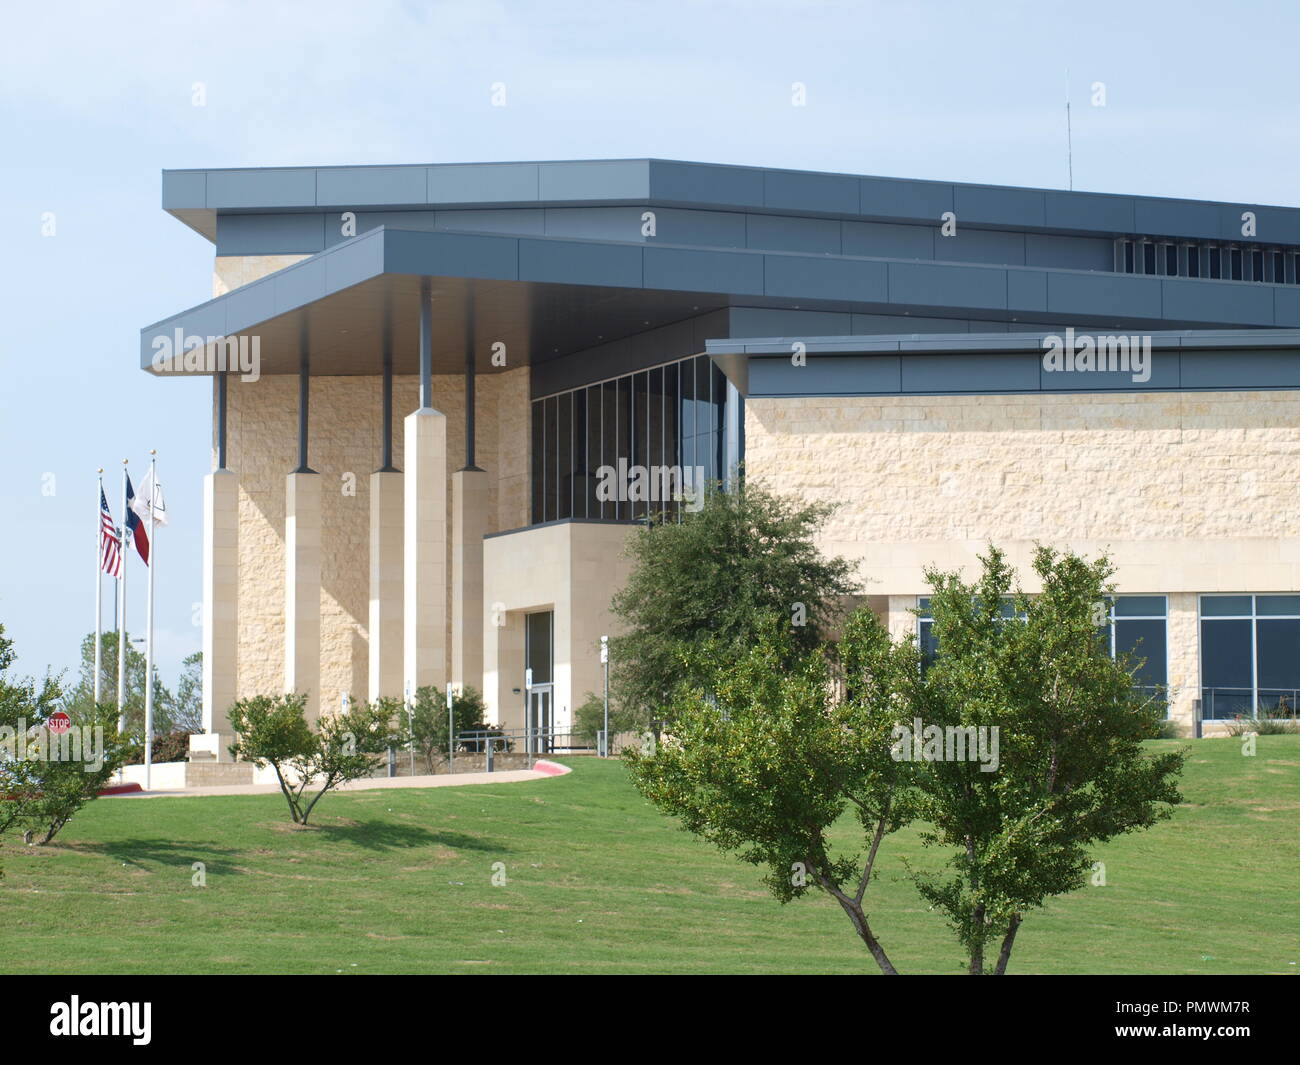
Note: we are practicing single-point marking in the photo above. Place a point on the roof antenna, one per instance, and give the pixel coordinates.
(1069, 135)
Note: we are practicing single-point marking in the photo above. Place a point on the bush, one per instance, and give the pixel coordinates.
(1267, 723)
(428, 723)
(589, 718)
(171, 746)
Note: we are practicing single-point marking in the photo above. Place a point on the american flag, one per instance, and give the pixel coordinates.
(110, 548)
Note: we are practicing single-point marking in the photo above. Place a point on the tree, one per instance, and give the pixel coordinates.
(58, 779)
(187, 707)
(46, 777)
(589, 718)
(771, 759)
(80, 698)
(1072, 772)
(23, 703)
(429, 724)
(1029, 751)
(710, 577)
(273, 730)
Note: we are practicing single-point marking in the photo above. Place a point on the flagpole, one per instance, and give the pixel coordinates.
(99, 586)
(121, 618)
(148, 637)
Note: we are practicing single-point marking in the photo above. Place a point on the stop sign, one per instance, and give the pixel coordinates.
(59, 722)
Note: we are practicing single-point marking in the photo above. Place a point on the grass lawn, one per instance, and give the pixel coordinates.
(598, 881)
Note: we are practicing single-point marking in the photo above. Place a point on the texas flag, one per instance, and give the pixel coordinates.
(134, 526)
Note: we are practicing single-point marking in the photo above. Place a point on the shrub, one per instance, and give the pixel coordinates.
(428, 723)
(1268, 722)
(589, 718)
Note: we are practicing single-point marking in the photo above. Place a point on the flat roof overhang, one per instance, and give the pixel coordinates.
(548, 297)
(1005, 363)
(197, 197)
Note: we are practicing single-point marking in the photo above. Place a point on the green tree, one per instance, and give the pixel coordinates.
(42, 790)
(187, 707)
(772, 758)
(80, 698)
(429, 722)
(273, 730)
(1072, 770)
(589, 718)
(744, 555)
(764, 756)
(55, 785)
(24, 703)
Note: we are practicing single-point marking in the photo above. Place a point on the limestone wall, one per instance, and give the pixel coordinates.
(1191, 492)
(1187, 492)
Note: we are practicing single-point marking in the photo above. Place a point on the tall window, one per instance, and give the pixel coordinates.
(1250, 654)
(667, 420)
(1136, 626)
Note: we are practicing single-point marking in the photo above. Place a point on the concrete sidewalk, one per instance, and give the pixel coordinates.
(542, 770)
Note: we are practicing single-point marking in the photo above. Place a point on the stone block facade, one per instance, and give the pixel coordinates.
(1187, 492)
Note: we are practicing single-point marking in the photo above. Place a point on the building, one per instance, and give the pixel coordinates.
(406, 488)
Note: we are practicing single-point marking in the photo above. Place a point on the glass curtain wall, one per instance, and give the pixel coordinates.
(626, 448)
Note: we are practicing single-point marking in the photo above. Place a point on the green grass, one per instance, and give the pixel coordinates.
(598, 881)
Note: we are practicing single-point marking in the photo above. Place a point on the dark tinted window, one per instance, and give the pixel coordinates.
(1226, 654)
(1277, 651)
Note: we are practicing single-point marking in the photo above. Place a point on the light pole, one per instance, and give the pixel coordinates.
(604, 658)
(410, 727)
(451, 732)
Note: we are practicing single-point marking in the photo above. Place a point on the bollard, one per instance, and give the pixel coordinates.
(489, 754)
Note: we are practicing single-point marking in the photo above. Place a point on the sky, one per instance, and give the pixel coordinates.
(1196, 100)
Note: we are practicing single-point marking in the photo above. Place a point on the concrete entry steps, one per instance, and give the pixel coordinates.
(212, 774)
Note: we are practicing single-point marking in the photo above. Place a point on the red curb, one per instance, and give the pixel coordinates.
(551, 769)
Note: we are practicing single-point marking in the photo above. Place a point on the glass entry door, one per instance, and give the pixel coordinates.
(540, 719)
(539, 705)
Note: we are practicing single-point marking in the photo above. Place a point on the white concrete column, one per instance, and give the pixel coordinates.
(424, 550)
(387, 517)
(468, 526)
(220, 611)
(503, 667)
(302, 563)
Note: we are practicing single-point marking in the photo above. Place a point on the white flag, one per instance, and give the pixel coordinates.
(150, 498)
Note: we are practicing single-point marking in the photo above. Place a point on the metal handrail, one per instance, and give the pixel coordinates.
(1248, 702)
(535, 740)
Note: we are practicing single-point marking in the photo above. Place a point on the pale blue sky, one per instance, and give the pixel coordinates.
(95, 100)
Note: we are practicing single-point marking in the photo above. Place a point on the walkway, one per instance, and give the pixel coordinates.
(540, 771)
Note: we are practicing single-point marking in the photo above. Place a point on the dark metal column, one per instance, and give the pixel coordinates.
(221, 421)
(471, 347)
(387, 464)
(426, 345)
(304, 404)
